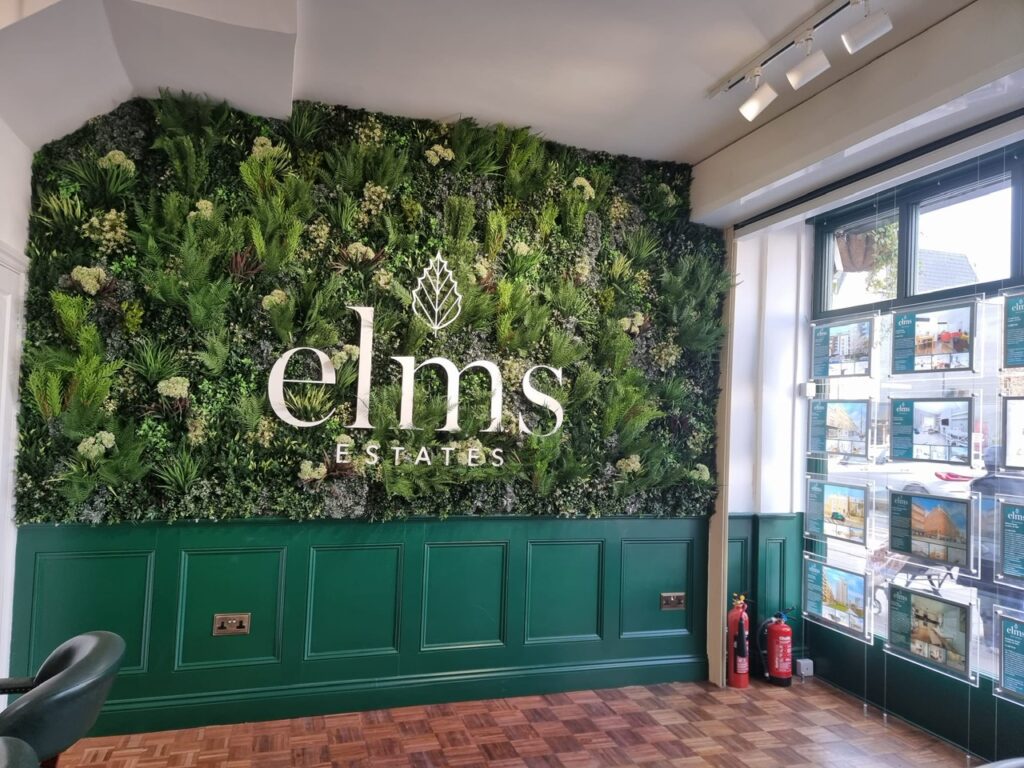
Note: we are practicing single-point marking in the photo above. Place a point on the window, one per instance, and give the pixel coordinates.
(953, 233)
(963, 238)
(863, 260)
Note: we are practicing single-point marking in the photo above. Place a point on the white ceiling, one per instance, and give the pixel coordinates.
(620, 75)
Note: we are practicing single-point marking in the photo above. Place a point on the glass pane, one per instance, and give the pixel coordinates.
(863, 258)
(963, 238)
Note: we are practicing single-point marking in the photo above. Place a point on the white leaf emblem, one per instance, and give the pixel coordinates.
(436, 298)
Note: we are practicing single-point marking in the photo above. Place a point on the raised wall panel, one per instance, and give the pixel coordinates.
(738, 567)
(353, 606)
(565, 591)
(464, 595)
(78, 592)
(230, 581)
(649, 568)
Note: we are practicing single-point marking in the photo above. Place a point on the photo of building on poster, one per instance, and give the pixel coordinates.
(842, 597)
(843, 511)
(932, 528)
(936, 340)
(838, 427)
(932, 430)
(842, 350)
(938, 632)
(1013, 430)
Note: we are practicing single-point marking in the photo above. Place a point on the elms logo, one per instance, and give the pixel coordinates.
(1017, 306)
(904, 407)
(1015, 631)
(905, 320)
(437, 301)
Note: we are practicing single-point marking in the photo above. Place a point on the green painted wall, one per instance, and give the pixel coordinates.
(349, 615)
(971, 718)
(765, 564)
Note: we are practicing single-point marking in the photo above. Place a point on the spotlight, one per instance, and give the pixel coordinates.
(867, 30)
(763, 95)
(812, 65)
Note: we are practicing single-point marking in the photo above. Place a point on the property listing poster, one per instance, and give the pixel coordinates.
(836, 510)
(841, 350)
(933, 340)
(931, 430)
(835, 596)
(1013, 332)
(838, 427)
(929, 630)
(1011, 540)
(1011, 657)
(935, 529)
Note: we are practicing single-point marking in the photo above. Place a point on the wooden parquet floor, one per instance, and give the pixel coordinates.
(675, 724)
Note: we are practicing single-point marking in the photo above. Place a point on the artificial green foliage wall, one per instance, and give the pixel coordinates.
(179, 247)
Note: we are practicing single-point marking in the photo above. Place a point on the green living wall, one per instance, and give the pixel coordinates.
(180, 247)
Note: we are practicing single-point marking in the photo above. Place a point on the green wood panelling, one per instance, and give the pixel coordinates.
(353, 622)
(84, 590)
(565, 591)
(972, 718)
(230, 581)
(648, 569)
(739, 567)
(341, 611)
(464, 595)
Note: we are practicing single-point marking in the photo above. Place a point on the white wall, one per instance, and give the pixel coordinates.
(15, 188)
(12, 295)
(770, 347)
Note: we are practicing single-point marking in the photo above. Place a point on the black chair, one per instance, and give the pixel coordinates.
(15, 753)
(61, 703)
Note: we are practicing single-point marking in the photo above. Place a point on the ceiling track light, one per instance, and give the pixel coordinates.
(759, 100)
(813, 64)
(868, 29)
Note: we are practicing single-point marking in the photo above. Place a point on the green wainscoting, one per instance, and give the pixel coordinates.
(350, 615)
(766, 564)
(971, 718)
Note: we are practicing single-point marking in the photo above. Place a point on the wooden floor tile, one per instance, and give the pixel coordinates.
(670, 725)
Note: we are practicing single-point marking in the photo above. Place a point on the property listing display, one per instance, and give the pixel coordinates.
(931, 430)
(1013, 331)
(933, 340)
(1013, 432)
(835, 597)
(1010, 519)
(930, 630)
(1010, 636)
(933, 529)
(836, 510)
(841, 350)
(838, 427)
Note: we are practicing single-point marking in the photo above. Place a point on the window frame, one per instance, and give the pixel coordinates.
(905, 201)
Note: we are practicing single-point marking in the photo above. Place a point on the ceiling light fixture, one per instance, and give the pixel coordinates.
(813, 64)
(868, 29)
(763, 95)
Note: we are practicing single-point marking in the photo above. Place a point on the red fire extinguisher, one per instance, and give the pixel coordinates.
(775, 636)
(738, 673)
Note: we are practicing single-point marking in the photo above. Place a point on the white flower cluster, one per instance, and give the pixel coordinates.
(204, 210)
(262, 146)
(383, 279)
(275, 298)
(370, 131)
(629, 465)
(633, 323)
(519, 248)
(359, 253)
(701, 473)
(375, 197)
(175, 387)
(348, 353)
(437, 153)
(312, 473)
(89, 279)
(115, 158)
(93, 448)
(109, 231)
(585, 187)
(666, 354)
